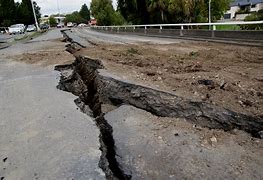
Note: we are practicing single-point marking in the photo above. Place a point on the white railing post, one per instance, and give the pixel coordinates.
(214, 27)
(160, 30)
(213, 31)
(133, 28)
(145, 29)
(181, 31)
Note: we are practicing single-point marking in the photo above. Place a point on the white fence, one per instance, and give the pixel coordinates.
(194, 30)
(160, 26)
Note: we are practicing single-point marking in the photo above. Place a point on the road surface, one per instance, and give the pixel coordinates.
(43, 135)
(92, 35)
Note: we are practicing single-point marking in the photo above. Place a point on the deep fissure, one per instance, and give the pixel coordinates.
(88, 96)
(90, 104)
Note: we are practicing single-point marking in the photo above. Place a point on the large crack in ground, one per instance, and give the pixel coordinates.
(94, 87)
(81, 82)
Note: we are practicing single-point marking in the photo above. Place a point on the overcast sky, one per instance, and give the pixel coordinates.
(66, 6)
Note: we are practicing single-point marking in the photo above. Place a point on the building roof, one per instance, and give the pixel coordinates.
(246, 2)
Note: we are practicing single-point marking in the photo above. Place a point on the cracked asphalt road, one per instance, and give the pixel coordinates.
(43, 135)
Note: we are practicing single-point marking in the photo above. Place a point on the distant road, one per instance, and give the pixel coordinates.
(126, 37)
(121, 38)
(7, 37)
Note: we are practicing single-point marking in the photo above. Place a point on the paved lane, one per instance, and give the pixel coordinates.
(122, 38)
(42, 133)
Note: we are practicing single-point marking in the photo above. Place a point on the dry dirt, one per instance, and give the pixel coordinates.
(54, 54)
(235, 71)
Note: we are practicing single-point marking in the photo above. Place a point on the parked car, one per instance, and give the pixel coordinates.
(93, 22)
(82, 25)
(16, 29)
(60, 25)
(31, 28)
(44, 26)
(70, 24)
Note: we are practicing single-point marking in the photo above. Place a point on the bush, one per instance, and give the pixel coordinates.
(118, 19)
(52, 21)
(75, 17)
(257, 16)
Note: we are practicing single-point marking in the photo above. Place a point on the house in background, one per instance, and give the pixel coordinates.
(58, 18)
(240, 9)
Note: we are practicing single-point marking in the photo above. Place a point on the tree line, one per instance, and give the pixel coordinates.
(81, 16)
(12, 12)
(105, 14)
(157, 11)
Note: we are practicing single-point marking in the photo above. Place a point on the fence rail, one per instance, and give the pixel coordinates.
(184, 24)
(189, 31)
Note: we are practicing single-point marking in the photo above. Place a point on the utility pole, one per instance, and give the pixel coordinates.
(58, 12)
(38, 29)
(209, 11)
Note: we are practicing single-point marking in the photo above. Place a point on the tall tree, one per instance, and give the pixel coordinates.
(171, 11)
(7, 12)
(141, 12)
(75, 17)
(127, 8)
(103, 11)
(84, 12)
(218, 8)
(134, 11)
(11, 12)
(52, 21)
(158, 6)
(187, 10)
(25, 12)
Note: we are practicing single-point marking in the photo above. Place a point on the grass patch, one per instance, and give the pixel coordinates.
(29, 36)
(132, 51)
(228, 27)
(193, 54)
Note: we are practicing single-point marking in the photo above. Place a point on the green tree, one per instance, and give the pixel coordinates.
(158, 6)
(52, 21)
(7, 12)
(187, 11)
(218, 8)
(75, 17)
(25, 12)
(171, 11)
(103, 11)
(11, 12)
(118, 19)
(256, 16)
(84, 12)
(134, 11)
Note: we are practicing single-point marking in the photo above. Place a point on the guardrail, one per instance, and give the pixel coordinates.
(191, 30)
(185, 24)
